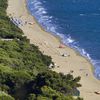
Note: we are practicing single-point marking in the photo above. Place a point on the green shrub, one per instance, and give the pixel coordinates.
(24, 72)
(4, 96)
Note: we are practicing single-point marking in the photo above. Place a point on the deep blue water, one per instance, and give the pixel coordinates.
(77, 22)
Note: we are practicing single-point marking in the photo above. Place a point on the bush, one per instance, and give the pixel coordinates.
(4, 96)
(24, 72)
(59, 82)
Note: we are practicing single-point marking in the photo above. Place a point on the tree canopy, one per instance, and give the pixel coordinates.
(24, 71)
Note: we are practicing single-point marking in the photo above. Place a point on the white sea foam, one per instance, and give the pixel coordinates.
(40, 13)
(91, 14)
(70, 40)
(82, 14)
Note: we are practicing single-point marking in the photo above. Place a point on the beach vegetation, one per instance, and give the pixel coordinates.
(24, 70)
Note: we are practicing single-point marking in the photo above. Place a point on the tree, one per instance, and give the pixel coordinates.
(4, 96)
(32, 97)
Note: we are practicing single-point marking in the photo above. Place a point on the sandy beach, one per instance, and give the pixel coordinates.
(49, 45)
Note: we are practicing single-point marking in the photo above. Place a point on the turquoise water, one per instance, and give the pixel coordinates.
(77, 22)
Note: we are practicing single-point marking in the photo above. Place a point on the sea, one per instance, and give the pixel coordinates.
(76, 22)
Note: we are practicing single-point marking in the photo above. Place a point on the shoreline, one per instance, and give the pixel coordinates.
(48, 44)
(41, 26)
(59, 39)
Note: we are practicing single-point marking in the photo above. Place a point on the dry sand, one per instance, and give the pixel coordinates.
(49, 44)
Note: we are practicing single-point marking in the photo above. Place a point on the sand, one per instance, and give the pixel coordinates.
(49, 45)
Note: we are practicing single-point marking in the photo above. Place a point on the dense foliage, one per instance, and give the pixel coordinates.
(7, 29)
(24, 72)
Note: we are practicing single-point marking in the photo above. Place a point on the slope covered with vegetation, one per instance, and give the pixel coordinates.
(24, 72)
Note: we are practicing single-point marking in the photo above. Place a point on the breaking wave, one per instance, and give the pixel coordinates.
(40, 13)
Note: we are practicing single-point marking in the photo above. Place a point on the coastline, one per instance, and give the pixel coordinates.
(49, 44)
(59, 38)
